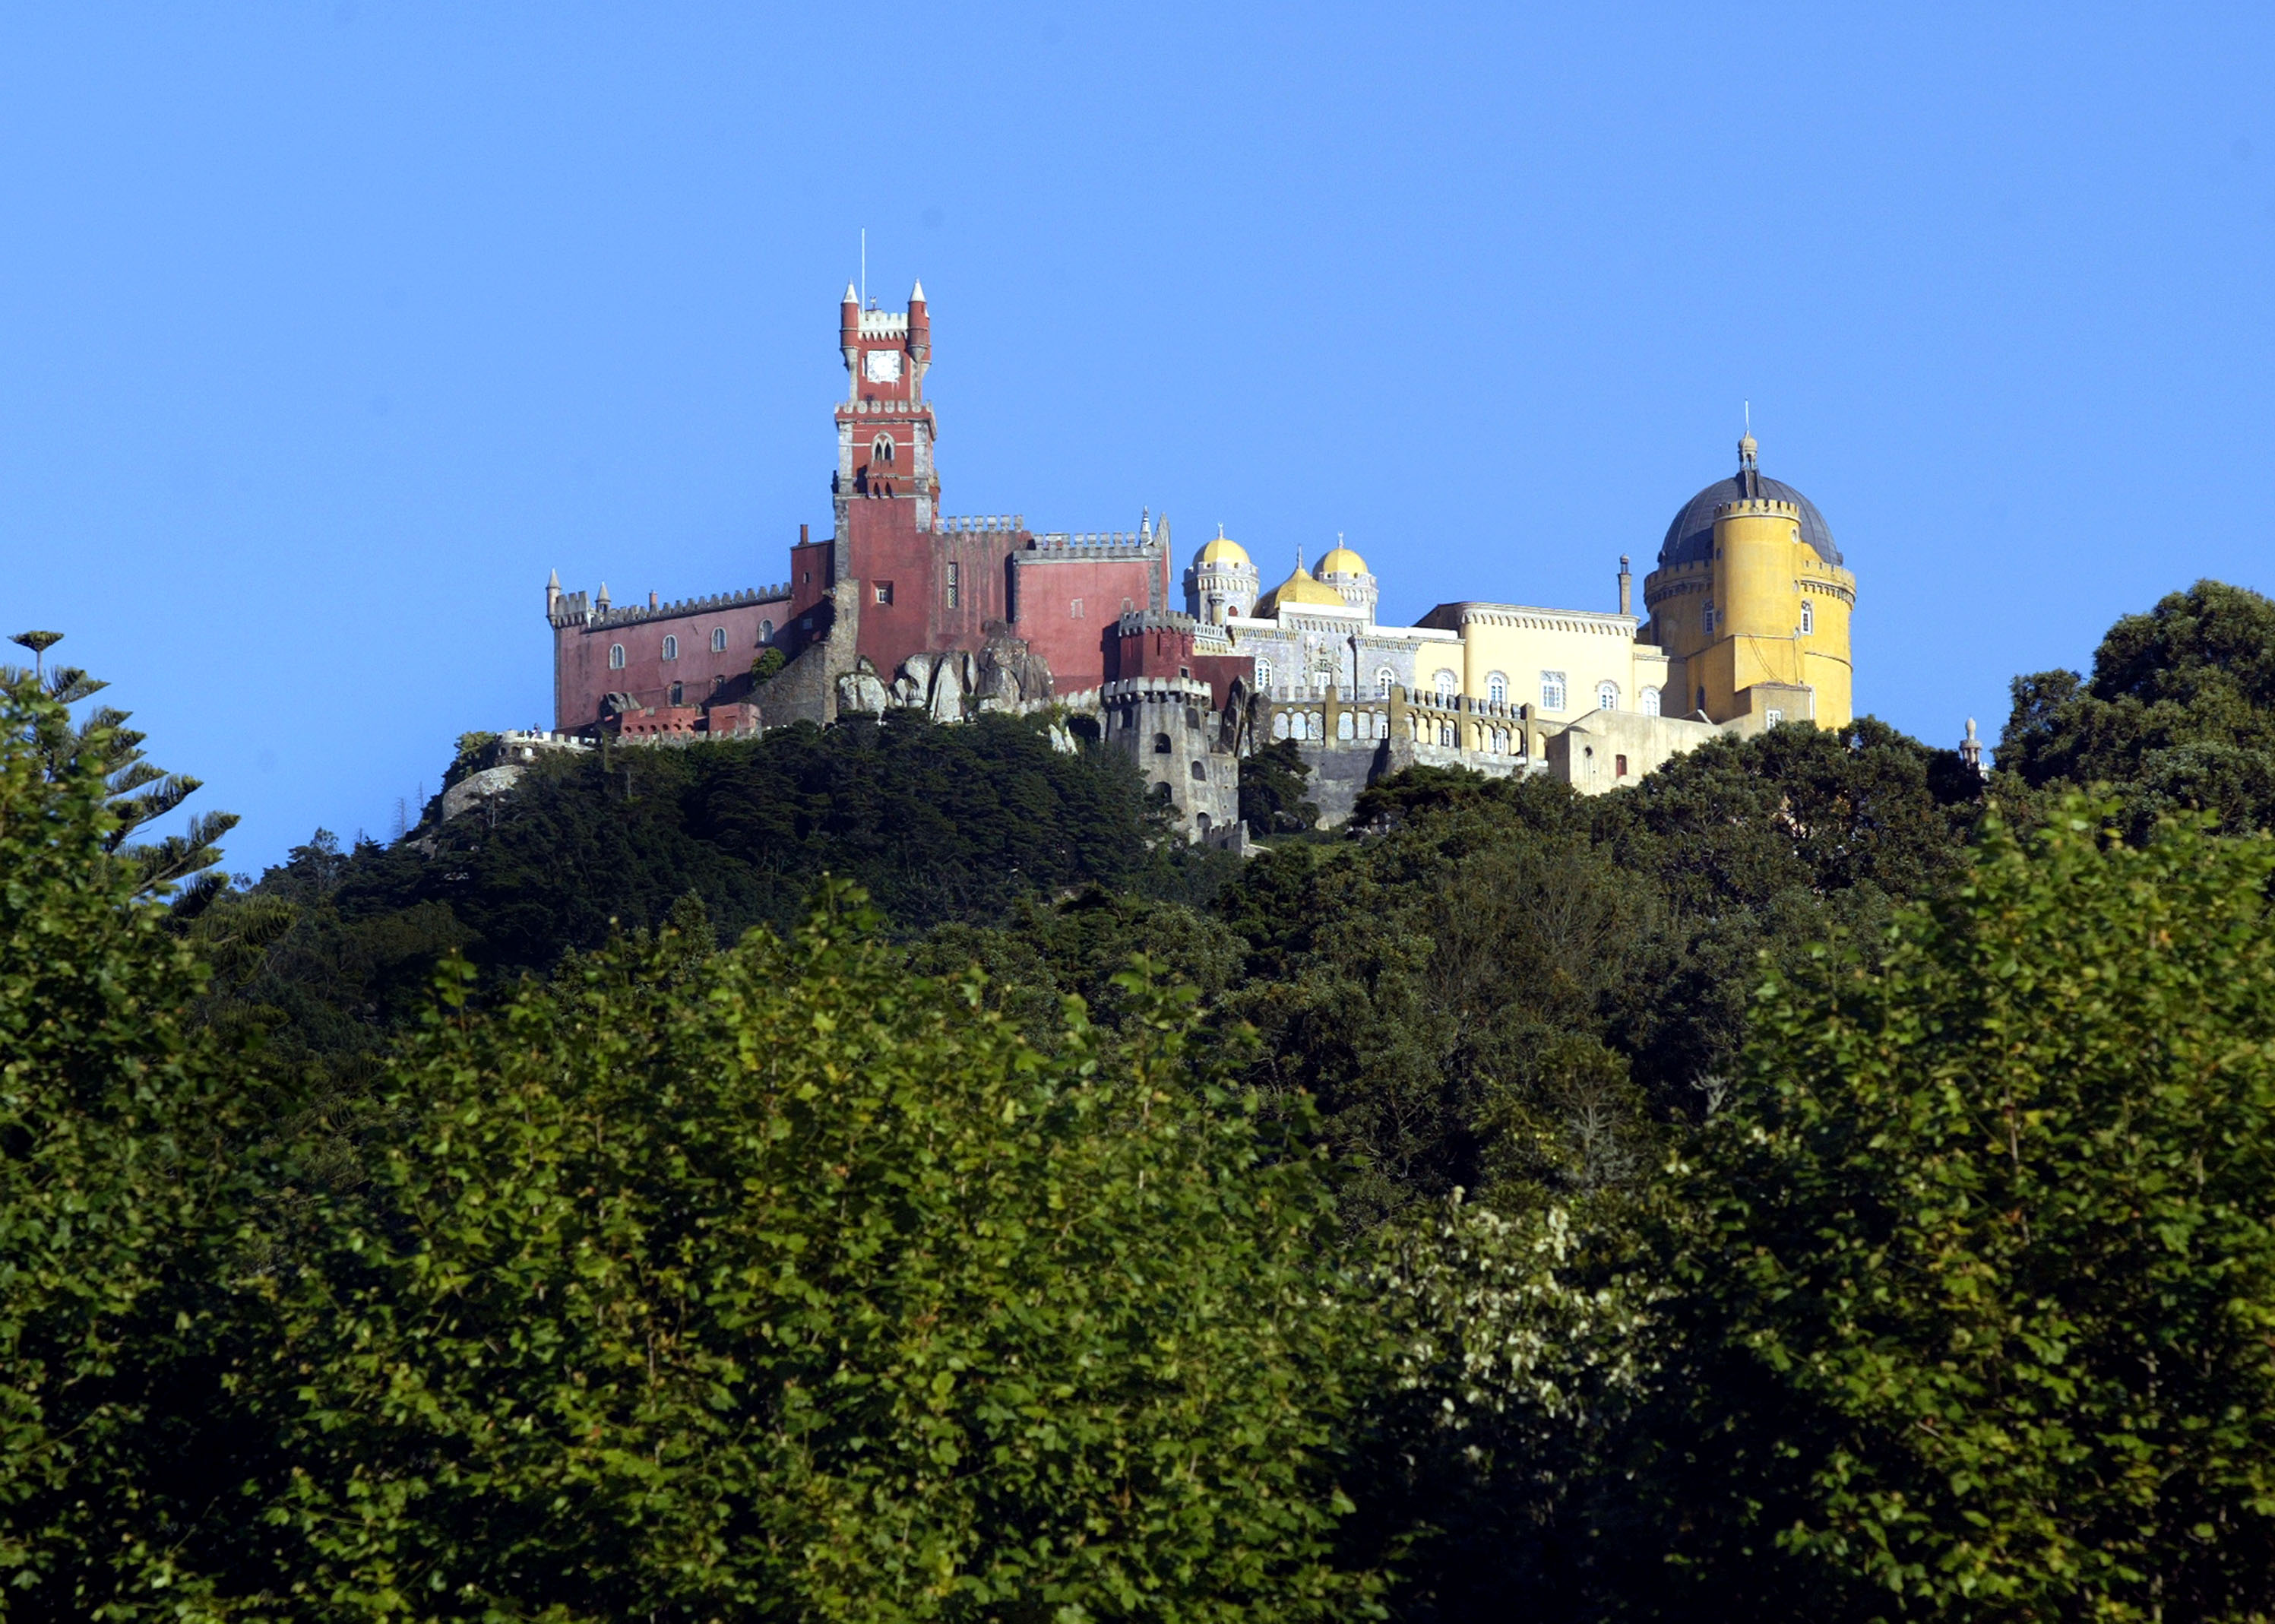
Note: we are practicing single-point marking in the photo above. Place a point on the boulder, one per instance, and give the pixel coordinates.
(862, 693)
(947, 691)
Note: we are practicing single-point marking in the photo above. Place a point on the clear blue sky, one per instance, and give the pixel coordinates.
(326, 330)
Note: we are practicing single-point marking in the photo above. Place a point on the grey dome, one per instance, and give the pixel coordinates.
(1691, 537)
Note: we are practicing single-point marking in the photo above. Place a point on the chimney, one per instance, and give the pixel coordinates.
(1627, 587)
(651, 601)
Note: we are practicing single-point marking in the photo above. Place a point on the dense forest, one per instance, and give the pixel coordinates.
(876, 1173)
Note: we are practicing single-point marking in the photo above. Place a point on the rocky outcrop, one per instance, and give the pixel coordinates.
(477, 789)
(861, 691)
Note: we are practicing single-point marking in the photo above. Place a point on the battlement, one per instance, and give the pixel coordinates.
(1759, 505)
(1155, 690)
(572, 609)
(884, 408)
(1014, 524)
(1092, 542)
(885, 323)
(526, 742)
(1135, 621)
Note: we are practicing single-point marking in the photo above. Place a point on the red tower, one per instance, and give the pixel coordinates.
(886, 491)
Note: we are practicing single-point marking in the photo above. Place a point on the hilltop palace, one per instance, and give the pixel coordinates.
(1745, 624)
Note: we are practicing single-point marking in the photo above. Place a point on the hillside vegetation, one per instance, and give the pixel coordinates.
(872, 1175)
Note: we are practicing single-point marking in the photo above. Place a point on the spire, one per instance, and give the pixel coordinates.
(917, 297)
(851, 297)
(602, 602)
(1299, 562)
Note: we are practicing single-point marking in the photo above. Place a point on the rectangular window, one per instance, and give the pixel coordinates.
(884, 592)
(1552, 691)
(1619, 766)
(1808, 617)
(1073, 610)
(1773, 717)
(955, 585)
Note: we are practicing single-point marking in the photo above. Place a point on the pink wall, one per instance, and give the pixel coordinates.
(582, 674)
(1071, 609)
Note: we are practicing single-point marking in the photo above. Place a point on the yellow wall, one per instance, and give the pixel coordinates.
(1522, 643)
(1759, 576)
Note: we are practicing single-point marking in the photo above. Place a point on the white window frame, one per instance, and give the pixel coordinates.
(1554, 691)
(1264, 677)
(1647, 701)
(1497, 688)
(1608, 695)
(670, 646)
(616, 656)
(1808, 618)
(1446, 685)
(719, 639)
(1385, 680)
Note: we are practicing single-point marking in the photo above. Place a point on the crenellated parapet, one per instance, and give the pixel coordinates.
(572, 609)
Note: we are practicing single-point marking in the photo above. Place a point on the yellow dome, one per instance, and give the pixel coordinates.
(1342, 561)
(1224, 550)
(1301, 587)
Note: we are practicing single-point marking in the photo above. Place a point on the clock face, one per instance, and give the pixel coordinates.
(882, 366)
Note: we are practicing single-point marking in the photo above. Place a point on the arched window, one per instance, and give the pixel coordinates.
(1808, 617)
(882, 451)
(1647, 701)
(1160, 743)
(1552, 691)
(1200, 771)
(765, 632)
(719, 640)
(1343, 727)
(1445, 734)
(1384, 677)
(1317, 729)
(1608, 696)
(1279, 725)
(1497, 689)
(1706, 620)
(616, 656)
(1263, 680)
(671, 648)
(1447, 685)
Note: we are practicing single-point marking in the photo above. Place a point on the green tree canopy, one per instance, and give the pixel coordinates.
(2178, 716)
(806, 1287)
(109, 1198)
(1976, 1308)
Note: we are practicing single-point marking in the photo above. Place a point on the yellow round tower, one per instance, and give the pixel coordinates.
(1752, 606)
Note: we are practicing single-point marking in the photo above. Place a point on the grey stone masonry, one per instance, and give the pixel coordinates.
(1169, 729)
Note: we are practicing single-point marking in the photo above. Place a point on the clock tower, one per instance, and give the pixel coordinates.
(885, 493)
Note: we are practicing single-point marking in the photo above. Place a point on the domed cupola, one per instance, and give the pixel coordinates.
(1222, 582)
(1347, 572)
(1690, 538)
